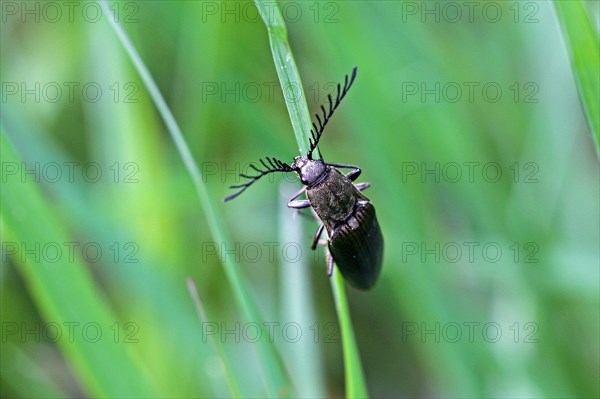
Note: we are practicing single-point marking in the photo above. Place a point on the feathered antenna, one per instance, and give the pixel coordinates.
(272, 165)
(317, 131)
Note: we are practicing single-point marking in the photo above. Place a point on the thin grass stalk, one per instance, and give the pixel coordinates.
(300, 117)
(583, 45)
(302, 358)
(355, 379)
(232, 384)
(276, 379)
(289, 78)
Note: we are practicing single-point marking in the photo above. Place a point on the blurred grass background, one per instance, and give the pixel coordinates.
(213, 64)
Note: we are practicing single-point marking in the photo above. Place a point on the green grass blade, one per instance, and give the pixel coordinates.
(289, 78)
(355, 380)
(231, 382)
(302, 358)
(65, 292)
(583, 47)
(276, 379)
(298, 110)
(38, 385)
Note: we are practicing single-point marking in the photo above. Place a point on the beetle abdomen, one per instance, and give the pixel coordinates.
(357, 247)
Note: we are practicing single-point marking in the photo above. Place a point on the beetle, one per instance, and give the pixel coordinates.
(354, 237)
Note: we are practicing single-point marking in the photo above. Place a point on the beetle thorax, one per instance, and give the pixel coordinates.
(309, 170)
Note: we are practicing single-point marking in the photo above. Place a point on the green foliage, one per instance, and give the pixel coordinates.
(28, 220)
(423, 120)
(584, 49)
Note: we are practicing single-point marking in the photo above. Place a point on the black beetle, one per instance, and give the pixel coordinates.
(355, 240)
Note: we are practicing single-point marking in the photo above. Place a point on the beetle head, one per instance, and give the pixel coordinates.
(308, 170)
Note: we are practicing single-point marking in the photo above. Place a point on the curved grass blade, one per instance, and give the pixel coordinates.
(298, 110)
(355, 380)
(65, 292)
(583, 47)
(302, 358)
(276, 379)
(231, 382)
(289, 78)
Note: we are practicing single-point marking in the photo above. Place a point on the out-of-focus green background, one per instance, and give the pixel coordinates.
(464, 117)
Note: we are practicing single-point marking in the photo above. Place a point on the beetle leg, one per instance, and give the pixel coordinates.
(298, 204)
(362, 186)
(329, 264)
(353, 175)
(317, 237)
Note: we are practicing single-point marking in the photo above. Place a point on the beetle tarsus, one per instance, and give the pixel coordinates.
(299, 204)
(353, 174)
(329, 264)
(362, 186)
(317, 237)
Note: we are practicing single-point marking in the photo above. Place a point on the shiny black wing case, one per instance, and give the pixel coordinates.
(356, 246)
